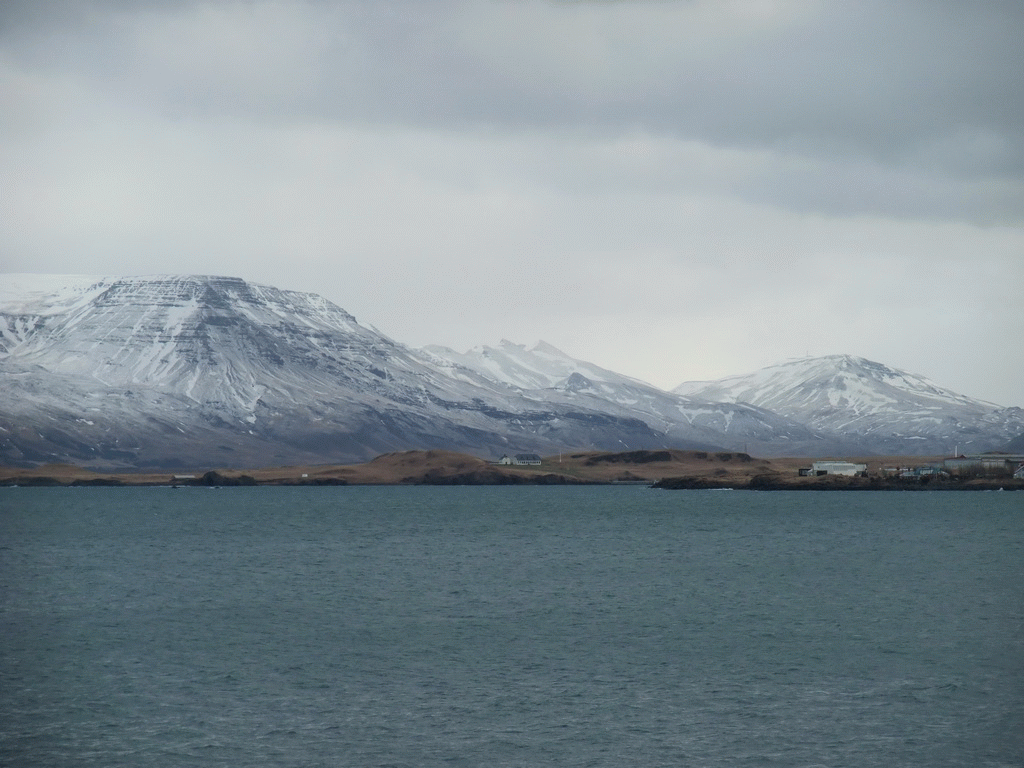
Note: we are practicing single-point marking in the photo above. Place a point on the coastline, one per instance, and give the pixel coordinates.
(660, 469)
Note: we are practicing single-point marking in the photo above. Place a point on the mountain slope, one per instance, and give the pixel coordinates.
(197, 370)
(882, 409)
(546, 373)
(538, 367)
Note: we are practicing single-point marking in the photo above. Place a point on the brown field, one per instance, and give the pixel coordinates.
(702, 469)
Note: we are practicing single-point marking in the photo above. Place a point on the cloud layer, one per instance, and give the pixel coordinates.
(677, 190)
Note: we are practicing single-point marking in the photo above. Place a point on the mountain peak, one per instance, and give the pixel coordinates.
(207, 369)
(186, 370)
(857, 397)
(543, 348)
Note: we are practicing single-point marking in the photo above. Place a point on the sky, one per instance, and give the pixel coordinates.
(672, 190)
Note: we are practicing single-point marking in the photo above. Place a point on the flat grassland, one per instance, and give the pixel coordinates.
(667, 468)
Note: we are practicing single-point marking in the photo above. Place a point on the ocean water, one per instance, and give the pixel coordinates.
(508, 626)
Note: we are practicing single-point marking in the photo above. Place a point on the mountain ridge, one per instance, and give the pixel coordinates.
(545, 372)
(869, 403)
(199, 370)
(193, 369)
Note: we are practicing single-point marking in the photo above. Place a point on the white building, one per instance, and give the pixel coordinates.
(521, 459)
(846, 468)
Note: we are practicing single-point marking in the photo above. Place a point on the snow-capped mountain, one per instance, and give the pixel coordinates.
(546, 373)
(538, 367)
(193, 371)
(882, 409)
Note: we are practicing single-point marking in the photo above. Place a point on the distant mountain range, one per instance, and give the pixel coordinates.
(879, 410)
(199, 371)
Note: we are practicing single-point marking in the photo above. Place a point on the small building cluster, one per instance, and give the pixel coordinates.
(965, 466)
(986, 464)
(521, 459)
(928, 470)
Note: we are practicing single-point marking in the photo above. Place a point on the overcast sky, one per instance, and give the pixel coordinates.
(673, 190)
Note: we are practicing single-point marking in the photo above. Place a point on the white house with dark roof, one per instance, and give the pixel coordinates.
(521, 459)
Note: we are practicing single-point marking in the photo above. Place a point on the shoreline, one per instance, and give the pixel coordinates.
(660, 469)
(843, 484)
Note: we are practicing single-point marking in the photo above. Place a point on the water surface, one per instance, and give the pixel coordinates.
(509, 626)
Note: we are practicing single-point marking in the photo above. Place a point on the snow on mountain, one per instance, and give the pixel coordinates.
(199, 371)
(188, 369)
(537, 367)
(883, 409)
(219, 341)
(47, 294)
(545, 372)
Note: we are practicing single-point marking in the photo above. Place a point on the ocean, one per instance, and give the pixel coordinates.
(510, 626)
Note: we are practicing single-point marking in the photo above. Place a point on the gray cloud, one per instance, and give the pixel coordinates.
(883, 99)
(628, 173)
